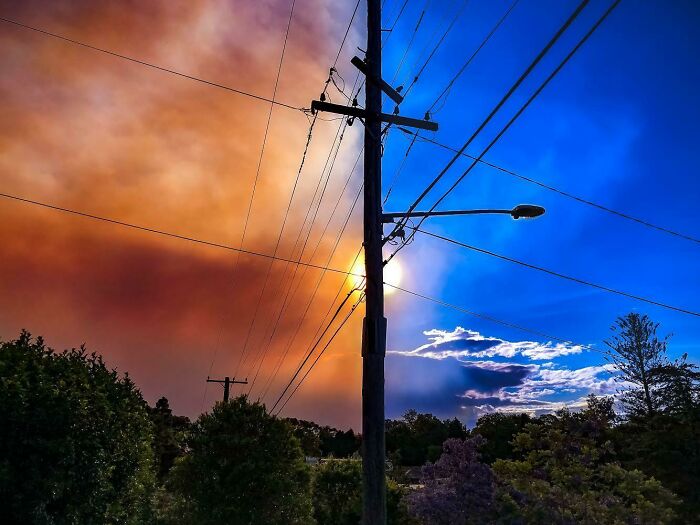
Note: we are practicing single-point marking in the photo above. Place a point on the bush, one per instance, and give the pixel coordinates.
(244, 466)
(75, 438)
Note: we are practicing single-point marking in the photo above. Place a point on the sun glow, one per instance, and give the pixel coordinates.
(392, 275)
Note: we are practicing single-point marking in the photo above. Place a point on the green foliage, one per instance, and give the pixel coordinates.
(325, 441)
(170, 433)
(499, 429)
(337, 495)
(418, 438)
(244, 466)
(75, 439)
(568, 475)
(337, 492)
(666, 447)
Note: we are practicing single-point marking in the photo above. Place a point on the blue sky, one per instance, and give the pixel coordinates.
(616, 126)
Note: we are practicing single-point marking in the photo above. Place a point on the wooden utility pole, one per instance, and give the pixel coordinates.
(227, 382)
(374, 325)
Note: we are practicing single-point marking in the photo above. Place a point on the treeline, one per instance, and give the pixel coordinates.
(78, 444)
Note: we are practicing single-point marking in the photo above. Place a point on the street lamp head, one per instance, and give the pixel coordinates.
(526, 211)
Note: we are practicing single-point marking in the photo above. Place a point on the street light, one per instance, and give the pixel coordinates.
(521, 211)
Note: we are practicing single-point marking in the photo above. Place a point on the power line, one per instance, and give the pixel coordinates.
(310, 352)
(393, 26)
(259, 254)
(321, 276)
(328, 169)
(556, 274)
(410, 41)
(259, 166)
(436, 47)
(341, 130)
(416, 135)
(299, 171)
(320, 354)
(493, 112)
(285, 302)
(345, 36)
(149, 64)
(513, 119)
(551, 188)
(173, 235)
(330, 308)
(445, 92)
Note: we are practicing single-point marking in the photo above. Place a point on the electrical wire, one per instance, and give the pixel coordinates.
(267, 277)
(342, 128)
(323, 350)
(410, 41)
(321, 276)
(266, 256)
(173, 235)
(445, 92)
(416, 136)
(556, 274)
(310, 352)
(272, 330)
(257, 177)
(153, 66)
(416, 77)
(493, 112)
(515, 117)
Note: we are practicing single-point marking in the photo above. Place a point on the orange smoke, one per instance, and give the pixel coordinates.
(87, 131)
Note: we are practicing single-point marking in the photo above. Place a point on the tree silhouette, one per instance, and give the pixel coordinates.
(635, 352)
(75, 438)
(243, 466)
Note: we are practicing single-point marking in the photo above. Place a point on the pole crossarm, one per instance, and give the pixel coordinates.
(230, 381)
(353, 111)
(227, 382)
(386, 88)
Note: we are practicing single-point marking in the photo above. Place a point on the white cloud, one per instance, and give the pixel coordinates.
(534, 394)
(462, 343)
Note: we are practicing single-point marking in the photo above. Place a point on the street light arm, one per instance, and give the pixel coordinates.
(528, 211)
(389, 217)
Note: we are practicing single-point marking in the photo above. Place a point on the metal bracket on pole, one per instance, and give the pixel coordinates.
(373, 330)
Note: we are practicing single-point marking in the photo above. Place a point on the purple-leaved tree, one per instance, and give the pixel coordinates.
(457, 489)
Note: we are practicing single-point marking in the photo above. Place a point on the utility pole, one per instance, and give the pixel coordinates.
(227, 382)
(374, 324)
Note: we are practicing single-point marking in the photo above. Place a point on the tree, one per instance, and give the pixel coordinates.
(337, 495)
(170, 432)
(569, 474)
(457, 489)
(244, 466)
(498, 430)
(636, 351)
(678, 387)
(417, 438)
(75, 438)
(325, 441)
(337, 492)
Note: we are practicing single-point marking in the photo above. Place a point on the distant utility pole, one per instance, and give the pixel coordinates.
(374, 326)
(227, 382)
